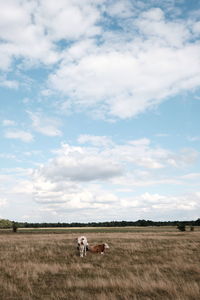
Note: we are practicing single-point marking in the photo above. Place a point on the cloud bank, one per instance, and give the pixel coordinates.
(104, 178)
(122, 70)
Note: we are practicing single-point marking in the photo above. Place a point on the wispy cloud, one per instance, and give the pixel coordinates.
(95, 140)
(45, 125)
(8, 123)
(3, 201)
(24, 136)
(11, 84)
(194, 138)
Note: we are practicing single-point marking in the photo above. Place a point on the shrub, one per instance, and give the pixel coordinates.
(14, 227)
(181, 227)
(191, 228)
(5, 224)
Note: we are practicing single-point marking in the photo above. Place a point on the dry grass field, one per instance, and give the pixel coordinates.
(151, 264)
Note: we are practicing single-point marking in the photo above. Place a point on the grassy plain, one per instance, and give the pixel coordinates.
(142, 263)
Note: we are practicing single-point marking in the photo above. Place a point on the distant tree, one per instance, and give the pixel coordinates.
(4, 224)
(191, 228)
(14, 226)
(181, 226)
(197, 222)
(142, 223)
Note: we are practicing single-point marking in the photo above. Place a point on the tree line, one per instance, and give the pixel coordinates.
(12, 224)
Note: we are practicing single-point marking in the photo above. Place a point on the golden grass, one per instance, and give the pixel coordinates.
(138, 265)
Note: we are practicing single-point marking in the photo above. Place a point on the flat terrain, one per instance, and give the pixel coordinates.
(142, 263)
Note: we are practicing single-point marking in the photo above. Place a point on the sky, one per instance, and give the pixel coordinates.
(99, 110)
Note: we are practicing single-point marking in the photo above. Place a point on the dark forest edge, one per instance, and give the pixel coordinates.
(9, 224)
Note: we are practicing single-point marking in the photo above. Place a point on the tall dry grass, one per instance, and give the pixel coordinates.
(147, 265)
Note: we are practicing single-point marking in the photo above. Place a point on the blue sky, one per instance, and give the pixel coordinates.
(99, 110)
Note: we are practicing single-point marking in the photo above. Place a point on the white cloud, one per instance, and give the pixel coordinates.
(23, 187)
(141, 142)
(68, 196)
(7, 156)
(8, 123)
(92, 176)
(196, 28)
(128, 83)
(152, 23)
(194, 138)
(184, 158)
(3, 202)
(126, 78)
(106, 161)
(16, 181)
(120, 9)
(101, 183)
(30, 29)
(156, 202)
(68, 19)
(23, 38)
(24, 136)
(162, 135)
(119, 73)
(45, 125)
(192, 176)
(94, 140)
(13, 84)
(80, 164)
(98, 203)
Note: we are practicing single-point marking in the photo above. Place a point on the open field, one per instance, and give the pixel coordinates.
(153, 263)
(87, 230)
